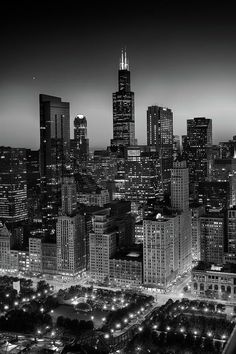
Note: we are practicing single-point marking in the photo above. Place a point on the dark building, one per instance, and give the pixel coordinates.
(54, 154)
(102, 167)
(123, 108)
(124, 221)
(214, 195)
(222, 169)
(228, 149)
(80, 143)
(13, 186)
(33, 184)
(139, 177)
(126, 267)
(160, 135)
(197, 146)
(212, 237)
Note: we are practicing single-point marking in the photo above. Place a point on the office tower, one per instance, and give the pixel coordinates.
(35, 255)
(102, 245)
(5, 246)
(160, 135)
(81, 142)
(160, 250)
(197, 212)
(180, 186)
(13, 188)
(69, 195)
(70, 232)
(123, 107)
(54, 154)
(197, 150)
(212, 230)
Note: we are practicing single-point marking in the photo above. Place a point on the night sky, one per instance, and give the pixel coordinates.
(182, 55)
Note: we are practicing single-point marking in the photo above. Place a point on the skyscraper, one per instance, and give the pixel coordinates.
(5, 243)
(212, 238)
(13, 189)
(197, 149)
(102, 245)
(180, 186)
(123, 107)
(54, 153)
(180, 202)
(70, 231)
(69, 196)
(80, 142)
(160, 135)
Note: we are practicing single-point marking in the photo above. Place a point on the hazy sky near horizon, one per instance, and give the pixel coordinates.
(182, 55)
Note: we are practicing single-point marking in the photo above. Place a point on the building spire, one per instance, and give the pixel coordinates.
(124, 65)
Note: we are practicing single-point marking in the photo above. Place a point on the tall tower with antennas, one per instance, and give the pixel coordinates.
(123, 107)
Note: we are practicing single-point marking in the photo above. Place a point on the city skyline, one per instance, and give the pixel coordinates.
(182, 58)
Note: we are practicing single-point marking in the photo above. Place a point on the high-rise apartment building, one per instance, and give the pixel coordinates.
(54, 153)
(123, 107)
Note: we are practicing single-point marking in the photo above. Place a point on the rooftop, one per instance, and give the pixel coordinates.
(134, 254)
(226, 268)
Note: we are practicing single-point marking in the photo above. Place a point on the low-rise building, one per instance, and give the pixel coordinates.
(126, 268)
(209, 280)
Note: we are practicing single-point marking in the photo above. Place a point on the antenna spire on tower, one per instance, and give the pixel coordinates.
(124, 65)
